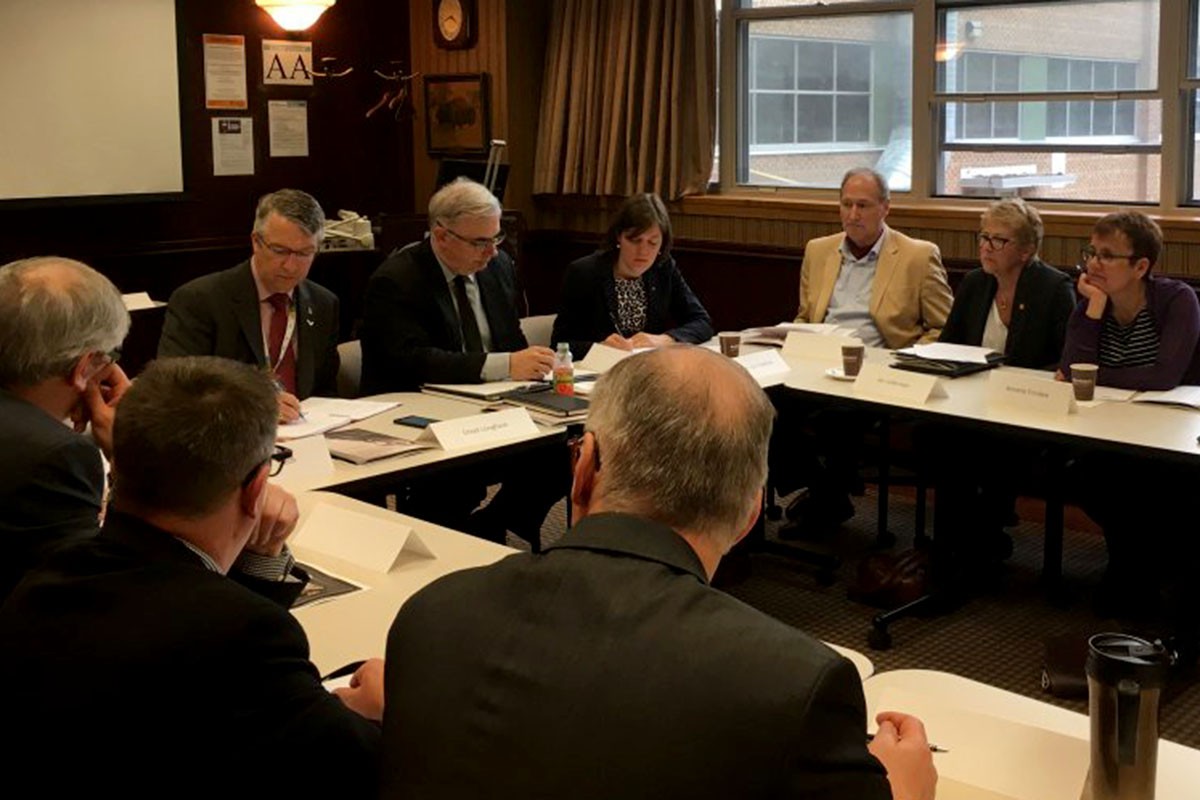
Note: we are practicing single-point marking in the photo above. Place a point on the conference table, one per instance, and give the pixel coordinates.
(1004, 746)
(354, 626)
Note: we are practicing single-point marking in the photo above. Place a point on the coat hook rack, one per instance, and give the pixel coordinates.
(329, 69)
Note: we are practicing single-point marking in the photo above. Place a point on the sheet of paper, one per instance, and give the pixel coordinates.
(233, 145)
(287, 63)
(224, 71)
(985, 751)
(369, 541)
(479, 391)
(765, 366)
(950, 352)
(288, 124)
(601, 358)
(137, 301)
(354, 410)
(1180, 395)
(308, 425)
(310, 460)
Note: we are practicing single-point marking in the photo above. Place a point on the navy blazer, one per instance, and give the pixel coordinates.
(1042, 304)
(588, 311)
(152, 675)
(51, 487)
(608, 667)
(410, 331)
(218, 315)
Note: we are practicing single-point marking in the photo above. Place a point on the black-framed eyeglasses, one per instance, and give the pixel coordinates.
(575, 446)
(278, 459)
(1089, 252)
(480, 244)
(285, 252)
(994, 242)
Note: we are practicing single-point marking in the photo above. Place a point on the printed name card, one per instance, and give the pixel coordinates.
(368, 541)
(480, 429)
(766, 366)
(882, 383)
(1009, 389)
(800, 345)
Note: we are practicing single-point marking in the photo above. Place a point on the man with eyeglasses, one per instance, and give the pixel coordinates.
(61, 327)
(265, 311)
(447, 310)
(145, 669)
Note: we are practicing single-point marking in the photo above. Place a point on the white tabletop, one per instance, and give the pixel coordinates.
(1006, 745)
(353, 627)
(1137, 424)
(411, 403)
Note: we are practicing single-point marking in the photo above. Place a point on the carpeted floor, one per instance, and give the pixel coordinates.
(996, 637)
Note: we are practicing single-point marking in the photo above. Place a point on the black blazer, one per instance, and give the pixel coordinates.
(607, 667)
(588, 311)
(51, 487)
(145, 674)
(1042, 305)
(410, 331)
(218, 315)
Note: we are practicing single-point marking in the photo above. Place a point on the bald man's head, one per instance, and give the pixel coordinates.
(682, 434)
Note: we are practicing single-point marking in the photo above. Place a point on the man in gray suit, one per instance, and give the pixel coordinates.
(607, 666)
(265, 311)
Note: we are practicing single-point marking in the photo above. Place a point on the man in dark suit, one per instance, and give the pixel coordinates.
(145, 670)
(445, 310)
(607, 666)
(61, 328)
(265, 311)
(414, 328)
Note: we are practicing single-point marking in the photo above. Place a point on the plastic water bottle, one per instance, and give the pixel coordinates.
(564, 370)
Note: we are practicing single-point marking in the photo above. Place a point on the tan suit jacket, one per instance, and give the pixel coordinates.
(910, 298)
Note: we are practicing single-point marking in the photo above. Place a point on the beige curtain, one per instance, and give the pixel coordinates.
(629, 98)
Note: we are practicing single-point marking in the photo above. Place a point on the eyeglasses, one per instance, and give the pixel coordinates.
(278, 459)
(1089, 252)
(284, 252)
(113, 355)
(994, 242)
(479, 244)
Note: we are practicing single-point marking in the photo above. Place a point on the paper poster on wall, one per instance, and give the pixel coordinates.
(288, 121)
(224, 71)
(287, 63)
(233, 145)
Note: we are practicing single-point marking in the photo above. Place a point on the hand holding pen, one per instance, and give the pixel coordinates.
(289, 404)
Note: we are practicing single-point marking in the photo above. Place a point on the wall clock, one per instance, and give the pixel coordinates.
(455, 24)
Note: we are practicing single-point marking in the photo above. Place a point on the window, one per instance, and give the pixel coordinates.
(821, 94)
(805, 92)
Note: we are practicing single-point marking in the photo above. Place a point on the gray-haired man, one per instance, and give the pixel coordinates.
(265, 311)
(61, 328)
(607, 666)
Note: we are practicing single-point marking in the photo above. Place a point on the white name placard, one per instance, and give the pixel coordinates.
(816, 347)
(368, 541)
(310, 462)
(882, 383)
(480, 429)
(1008, 389)
(766, 366)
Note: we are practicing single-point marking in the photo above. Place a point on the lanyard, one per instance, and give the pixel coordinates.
(287, 338)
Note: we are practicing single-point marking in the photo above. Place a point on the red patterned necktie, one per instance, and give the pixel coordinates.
(286, 369)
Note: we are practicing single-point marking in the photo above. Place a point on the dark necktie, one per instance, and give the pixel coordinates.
(285, 372)
(466, 317)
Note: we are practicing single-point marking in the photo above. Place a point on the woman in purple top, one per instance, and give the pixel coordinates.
(1141, 330)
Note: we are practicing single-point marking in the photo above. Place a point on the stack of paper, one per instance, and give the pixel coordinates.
(320, 414)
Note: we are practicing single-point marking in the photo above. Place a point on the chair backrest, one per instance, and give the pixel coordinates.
(538, 329)
(349, 375)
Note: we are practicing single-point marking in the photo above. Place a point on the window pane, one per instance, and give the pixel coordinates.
(1124, 32)
(1077, 122)
(814, 118)
(1113, 177)
(1104, 75)
(978, 71)
(778, 3)
(816, 66)
(773, 119)
(853, 68)
(1008, 74)
(853, 118)
(774, 64)
(852, 101)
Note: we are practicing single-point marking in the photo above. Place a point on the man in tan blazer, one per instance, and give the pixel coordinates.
(890, 288)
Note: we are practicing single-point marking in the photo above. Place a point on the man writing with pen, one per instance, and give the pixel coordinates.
(265, 311)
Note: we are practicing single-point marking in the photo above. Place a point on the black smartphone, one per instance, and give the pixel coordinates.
(414, 421)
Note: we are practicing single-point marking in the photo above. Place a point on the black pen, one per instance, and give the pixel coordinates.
(933, 748)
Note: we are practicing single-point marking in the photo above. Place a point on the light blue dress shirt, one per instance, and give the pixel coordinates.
(850, 304)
